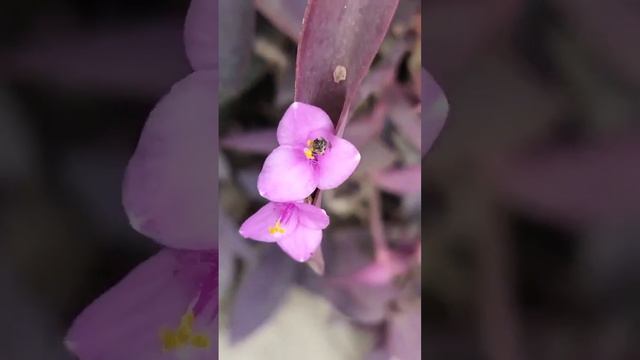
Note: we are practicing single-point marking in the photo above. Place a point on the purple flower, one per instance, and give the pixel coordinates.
(295, 226)
(167, 307)
(310, 156)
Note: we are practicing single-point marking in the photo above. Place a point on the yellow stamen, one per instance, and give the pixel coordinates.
(184, 336)
(276, 229)
(200, 341)
(308, 153)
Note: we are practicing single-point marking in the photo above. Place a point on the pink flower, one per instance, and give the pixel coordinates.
(296, 227)
(166, 308)
(310, 156)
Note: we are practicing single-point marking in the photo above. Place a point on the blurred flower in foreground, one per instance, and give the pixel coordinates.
(167, 307)
(296, 227)
(310, 156)
(164, 309)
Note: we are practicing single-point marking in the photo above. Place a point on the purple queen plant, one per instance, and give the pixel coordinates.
(330, 66)
(309, 156)
(167, 307)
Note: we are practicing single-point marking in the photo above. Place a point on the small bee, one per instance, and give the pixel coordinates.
(319, 146)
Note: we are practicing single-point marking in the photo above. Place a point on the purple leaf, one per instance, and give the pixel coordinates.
(252, 142)
(286, 15)
(170, 187)
(400, 181)
(434, 111)
(260, 293)
(339, 41)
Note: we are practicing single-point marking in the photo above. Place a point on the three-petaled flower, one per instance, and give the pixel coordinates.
(310, 156)
(295, 226)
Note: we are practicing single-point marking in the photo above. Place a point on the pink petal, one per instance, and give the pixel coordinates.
(299, 121)
(302, 243)
(312, 217)
(434, 111)
(336, 165)
(170, 187)
(200, 37)
(287, 175)
(257, 226)
(125, 323)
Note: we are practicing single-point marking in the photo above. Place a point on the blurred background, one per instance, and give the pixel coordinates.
(78, 79)
(531, 193)
(530, 196)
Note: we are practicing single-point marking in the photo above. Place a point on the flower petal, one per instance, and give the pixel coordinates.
(302, 243)
(287, 175)
(125, 323)
(299, 121)
(170, 187)
(312, 217)
(200, 38)
(336, 165)
(257, 225)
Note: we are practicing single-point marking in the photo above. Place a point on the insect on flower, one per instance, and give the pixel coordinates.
(310, 156)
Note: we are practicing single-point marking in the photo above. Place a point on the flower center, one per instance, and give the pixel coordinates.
(315, 148)
(183, 335)
(276, 229)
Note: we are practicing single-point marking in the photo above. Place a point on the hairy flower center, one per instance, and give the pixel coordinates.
(315, 147)
(184, 336)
